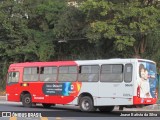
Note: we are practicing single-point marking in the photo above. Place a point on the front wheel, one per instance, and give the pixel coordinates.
(86, 104)
(106, 108)
(27, 100)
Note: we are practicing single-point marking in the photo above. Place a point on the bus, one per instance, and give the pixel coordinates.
(89, 84)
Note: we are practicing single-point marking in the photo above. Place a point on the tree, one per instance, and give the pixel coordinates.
(127, 23)
(13, 29)
(70, 24)
(27, 28)
(41, 24)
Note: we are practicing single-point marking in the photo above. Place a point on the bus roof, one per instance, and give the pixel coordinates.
(60, 63)
(111, 61)
(56, 63)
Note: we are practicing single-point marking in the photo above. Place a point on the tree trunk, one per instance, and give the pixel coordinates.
(140, 47)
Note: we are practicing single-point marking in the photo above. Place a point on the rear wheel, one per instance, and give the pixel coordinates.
(27, 100)
(86, 104)
(106, 108)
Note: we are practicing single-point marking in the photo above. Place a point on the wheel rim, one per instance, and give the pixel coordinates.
(85, 105)
(27, 100)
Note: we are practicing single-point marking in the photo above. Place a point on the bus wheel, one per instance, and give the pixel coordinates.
(26, 100)
(106, 108)
(86, 104)
(46, 105)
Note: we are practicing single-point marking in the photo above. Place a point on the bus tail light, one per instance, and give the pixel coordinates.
(138, 91)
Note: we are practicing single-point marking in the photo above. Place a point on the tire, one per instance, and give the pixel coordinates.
(27, 100)
(46, 105)
(86, 104)
(106, 108)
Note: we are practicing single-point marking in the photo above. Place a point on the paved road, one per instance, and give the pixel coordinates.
(61, 112)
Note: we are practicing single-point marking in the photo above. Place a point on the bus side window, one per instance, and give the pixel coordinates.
(112, 73)
(42, 70)
(128, 73)
(88, 73)
(31, 74)
(67, 73)
(48, 74)
(80, 67)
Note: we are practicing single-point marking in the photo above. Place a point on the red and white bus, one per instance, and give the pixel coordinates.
(91, 84)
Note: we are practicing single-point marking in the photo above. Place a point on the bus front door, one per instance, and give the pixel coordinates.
(12, 85)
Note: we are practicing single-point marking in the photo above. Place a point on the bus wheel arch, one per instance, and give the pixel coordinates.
(86, 102)
(22, 94)
(26, 99)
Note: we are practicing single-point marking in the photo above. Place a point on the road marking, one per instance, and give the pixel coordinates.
(44, 118)
(13, 118)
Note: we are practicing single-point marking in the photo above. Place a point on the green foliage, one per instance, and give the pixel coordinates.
(41, 48)
(152, 49)
(126, 22)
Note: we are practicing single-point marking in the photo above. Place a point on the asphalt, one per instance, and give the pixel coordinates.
(155, 107)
